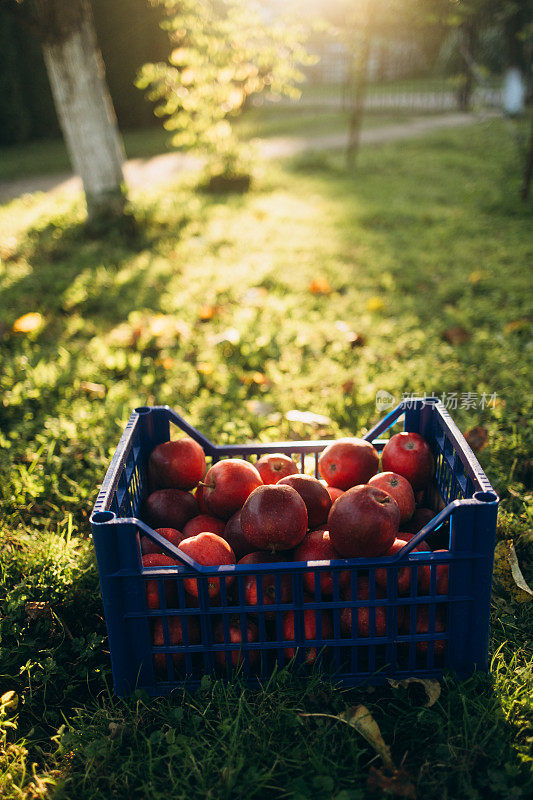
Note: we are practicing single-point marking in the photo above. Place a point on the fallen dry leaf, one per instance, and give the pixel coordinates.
(360, 718)
(167, 363)
(93, 389)
(508, 575)
(375, 304)
(320, 286)
(347, 386)
(255, 296)
(28, 323)
(259, 408)
(397, 783)
(356, 339)
(476, 276)
(517, 325)
(456, 335)
(205, 368)
(307, 417)
(206, 312)
(230, 335)
(9, 701)
(477, 438)
(37, 609)
(431, 687)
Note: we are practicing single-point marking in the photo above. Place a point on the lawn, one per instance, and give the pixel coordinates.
(425, 250)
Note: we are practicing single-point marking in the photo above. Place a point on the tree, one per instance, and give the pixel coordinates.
(224, 52)
(510, 22)
(528, 167)
(84, 108)
(363, 26)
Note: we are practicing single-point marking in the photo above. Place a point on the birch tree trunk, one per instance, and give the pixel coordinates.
(83, 104)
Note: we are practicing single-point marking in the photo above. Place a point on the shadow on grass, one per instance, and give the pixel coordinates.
(226, 740)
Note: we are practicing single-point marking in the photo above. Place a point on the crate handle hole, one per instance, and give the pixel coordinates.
(103, 516)
(143, 410)
(486, 497)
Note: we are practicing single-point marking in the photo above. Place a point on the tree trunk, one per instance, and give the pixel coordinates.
(86, 115)
(360, 83)
(528, 168)
(468, 42)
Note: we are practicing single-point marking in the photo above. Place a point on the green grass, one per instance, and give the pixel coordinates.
(426, 235)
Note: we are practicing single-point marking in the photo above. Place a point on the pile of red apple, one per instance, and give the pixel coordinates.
(239, 513)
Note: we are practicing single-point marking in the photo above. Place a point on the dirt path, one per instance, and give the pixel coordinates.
(158, 170)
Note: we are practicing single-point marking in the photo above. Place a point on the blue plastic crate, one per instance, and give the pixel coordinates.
(468, 517)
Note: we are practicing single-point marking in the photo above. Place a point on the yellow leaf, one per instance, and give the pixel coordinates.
(362, 720)
(205, 368)
(375, 304)
(259, 378)
(516, 325)
(307, 417)
(320, 286)
(9, 701)
(507, 574)
(476, 276)
(206, 312)
(28, 323)
(187, 76)
(93, 389)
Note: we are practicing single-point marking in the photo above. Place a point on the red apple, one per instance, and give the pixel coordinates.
(171, 534)
(333, 492)
(274, 466)
(399, 488)
(348, 462)
(235, 637)
(235, 537)
(362, 616)
(317, 547)
(177, 465)
(310, 632)
(315, 496)
(274, 518)
(407, 538)
(419, 520)
(404, 573)
(152, 589)
(210, 550)
(409, 454)
(204, 523)
(170, 508)
(227, 485)
(442, 575)
(434, 539)
(422, 626)
(362, 613)
(176, 639)
(363, 522)
(268, 583)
